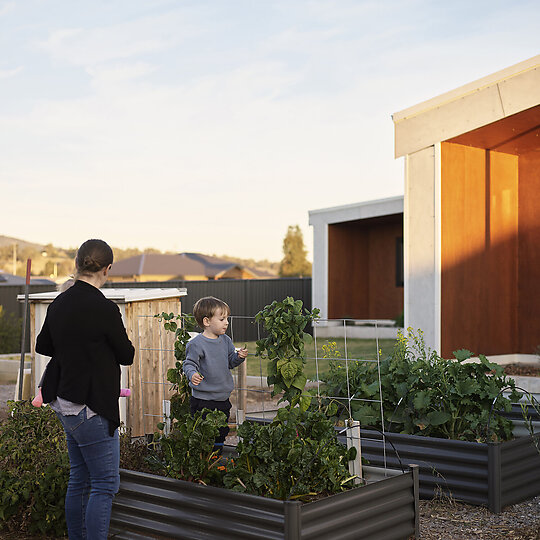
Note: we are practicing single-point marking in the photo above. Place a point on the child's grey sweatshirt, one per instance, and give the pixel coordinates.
(213, 359)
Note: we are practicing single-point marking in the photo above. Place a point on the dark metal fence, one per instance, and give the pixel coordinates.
(10, 304)
(245, 297)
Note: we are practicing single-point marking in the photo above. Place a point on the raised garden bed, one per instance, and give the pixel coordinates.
(149, 506)
(487, 474)
(493, 474)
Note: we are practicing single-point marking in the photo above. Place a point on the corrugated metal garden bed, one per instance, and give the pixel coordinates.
(149, 506)
(489, 474)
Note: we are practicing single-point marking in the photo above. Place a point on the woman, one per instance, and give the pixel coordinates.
(84, 334)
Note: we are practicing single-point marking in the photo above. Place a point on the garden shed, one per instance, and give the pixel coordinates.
(471, 219)
(147, 377)
(358, 260)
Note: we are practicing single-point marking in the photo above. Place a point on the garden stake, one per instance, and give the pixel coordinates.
(353, 440)
(23, 337)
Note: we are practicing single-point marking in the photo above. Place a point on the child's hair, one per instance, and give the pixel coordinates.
(208, 307)
(93, 256)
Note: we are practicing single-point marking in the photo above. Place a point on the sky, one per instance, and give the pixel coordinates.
(213, 125)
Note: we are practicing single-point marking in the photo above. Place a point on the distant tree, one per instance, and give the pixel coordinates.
(294, 262)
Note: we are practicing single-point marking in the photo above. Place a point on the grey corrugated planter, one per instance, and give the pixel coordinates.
(150, 506)
(493, 474)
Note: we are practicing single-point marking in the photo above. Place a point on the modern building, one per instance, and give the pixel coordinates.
(472, 214)
(358, 260)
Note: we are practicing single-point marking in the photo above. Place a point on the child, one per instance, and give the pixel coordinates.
(209, 358)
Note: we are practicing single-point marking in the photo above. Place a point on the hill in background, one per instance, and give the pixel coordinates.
(57, 263)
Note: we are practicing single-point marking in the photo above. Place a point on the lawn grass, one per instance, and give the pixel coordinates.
(353, 349)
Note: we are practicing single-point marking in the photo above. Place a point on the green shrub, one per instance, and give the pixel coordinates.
(187, 453)
(10, 332)
(135, 454)
(34, 471)
(424, 394)
(297, 456)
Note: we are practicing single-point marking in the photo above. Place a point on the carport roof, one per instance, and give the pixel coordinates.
(479, 103)
(361, 210)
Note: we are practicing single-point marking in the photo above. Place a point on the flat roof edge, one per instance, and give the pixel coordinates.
(361, 210)
(469, 88)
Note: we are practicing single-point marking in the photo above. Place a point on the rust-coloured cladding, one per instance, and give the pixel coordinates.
(362, 269)
(529, 252)
(479, 250)
(347, 270)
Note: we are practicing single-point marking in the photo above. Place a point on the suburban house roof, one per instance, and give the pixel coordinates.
(179, 264)
(479, 103)
(10, 279)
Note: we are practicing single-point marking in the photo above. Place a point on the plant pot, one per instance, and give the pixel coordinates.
(493, 474)
(149, 506)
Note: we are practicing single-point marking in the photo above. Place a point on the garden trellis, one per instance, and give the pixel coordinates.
(333, 341)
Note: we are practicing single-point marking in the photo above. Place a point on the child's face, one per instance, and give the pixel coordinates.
(217, 324)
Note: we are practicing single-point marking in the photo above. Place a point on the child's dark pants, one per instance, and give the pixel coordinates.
(197, 404)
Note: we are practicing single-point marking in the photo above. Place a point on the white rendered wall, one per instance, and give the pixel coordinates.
(422, 244)
(319, 281)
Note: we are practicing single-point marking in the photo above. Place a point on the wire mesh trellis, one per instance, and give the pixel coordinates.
(252, 397)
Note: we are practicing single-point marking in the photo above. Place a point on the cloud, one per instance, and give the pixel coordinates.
(83, 47)
(6, 7)
(9, 73)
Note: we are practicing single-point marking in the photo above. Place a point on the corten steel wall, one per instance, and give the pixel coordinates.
(245, 297)
(148, 504)
(8, 300)
(529, 252)
(479, 250)
(362, 269)
(492, 475)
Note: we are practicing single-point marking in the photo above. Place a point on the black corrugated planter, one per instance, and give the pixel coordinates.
(493, 474)
(149, 506)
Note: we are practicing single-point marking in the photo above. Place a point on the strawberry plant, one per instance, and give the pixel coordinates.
(284, 323)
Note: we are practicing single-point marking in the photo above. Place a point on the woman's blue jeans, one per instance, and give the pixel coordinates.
(94, 458)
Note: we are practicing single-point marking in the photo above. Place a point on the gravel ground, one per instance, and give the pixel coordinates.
(445, 519)
(440, 519)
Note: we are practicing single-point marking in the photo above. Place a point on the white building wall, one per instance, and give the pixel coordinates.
(319, 282)
(421, 243)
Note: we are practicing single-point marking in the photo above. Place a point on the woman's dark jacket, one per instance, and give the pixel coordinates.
(84, 334)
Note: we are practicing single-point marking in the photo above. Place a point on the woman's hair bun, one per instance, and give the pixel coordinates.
(93, 256)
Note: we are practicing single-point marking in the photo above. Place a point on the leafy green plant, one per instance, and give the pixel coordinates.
(34, 471)
(136, 454)
(176, 376)
(187, 453)
(283, 346)
(528, 409)
(297, 456)
(424, 394)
